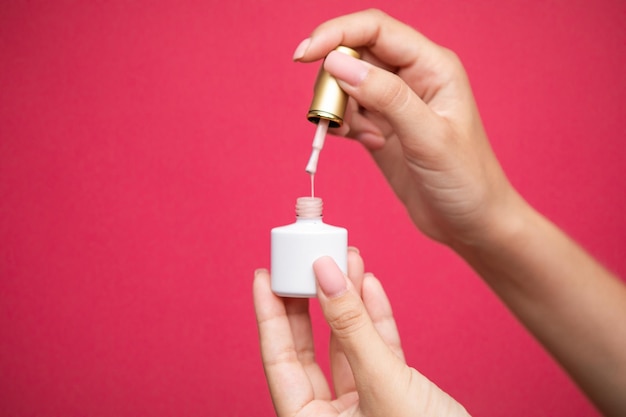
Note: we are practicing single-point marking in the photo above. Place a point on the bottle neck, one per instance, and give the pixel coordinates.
(309, 208)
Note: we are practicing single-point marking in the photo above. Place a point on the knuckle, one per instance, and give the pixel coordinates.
(279, 357)
(377, 13)
(347, 321)
(451, 56)
(394, 96)
(455, 69)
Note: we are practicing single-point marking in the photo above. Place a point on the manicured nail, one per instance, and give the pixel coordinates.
(346, 68)
(354, 249)
(260, 271)
(329, 277)
(301, 49)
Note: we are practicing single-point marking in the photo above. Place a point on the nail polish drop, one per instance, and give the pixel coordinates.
(312, 185)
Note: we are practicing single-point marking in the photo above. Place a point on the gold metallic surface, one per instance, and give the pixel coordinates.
(329, 100)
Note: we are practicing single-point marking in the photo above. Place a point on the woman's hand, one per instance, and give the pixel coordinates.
(370, 376)
(412, 107)
(417, 116)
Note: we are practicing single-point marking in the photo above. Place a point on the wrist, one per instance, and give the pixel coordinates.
(500, 229)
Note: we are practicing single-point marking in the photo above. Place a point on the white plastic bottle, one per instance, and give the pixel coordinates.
(296, 246)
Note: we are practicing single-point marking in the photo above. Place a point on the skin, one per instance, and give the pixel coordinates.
(359, 314)
(413, 109)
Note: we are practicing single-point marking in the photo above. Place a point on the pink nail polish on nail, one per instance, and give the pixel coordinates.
(301, 49)
(346, 68)
(330, 278)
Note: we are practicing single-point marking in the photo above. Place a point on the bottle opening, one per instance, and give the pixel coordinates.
(309, 207)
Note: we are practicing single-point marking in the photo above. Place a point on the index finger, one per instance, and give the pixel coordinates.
(287, 379)
(389, 40)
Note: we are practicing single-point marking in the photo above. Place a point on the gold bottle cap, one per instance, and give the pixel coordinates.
(329, 100)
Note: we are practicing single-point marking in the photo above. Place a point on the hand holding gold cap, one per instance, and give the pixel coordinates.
(327, 108)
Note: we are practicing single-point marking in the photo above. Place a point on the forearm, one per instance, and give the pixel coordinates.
(574, 306)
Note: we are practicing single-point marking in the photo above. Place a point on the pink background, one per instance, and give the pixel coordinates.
(147, 149)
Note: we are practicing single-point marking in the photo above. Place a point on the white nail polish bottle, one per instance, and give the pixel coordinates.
(296, 246)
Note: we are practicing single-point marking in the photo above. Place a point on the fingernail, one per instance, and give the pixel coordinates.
(329, 277)
(354, 249)
(301, 49)
(346, 68)
(260, 271)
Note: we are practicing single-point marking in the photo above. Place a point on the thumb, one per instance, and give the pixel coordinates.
(375, 367)
(383, 92)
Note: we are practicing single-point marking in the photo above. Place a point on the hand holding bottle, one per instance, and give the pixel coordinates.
(417, 116)
(370, 376)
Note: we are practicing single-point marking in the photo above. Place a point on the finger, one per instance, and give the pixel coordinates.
(391, 41)
(379, 309)
(297, 310)
(287, 379)
(366, 131)
(390, 159)
(356, 268)
(343, 381)
(375, 367)
(379, 91)
(361, 127)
